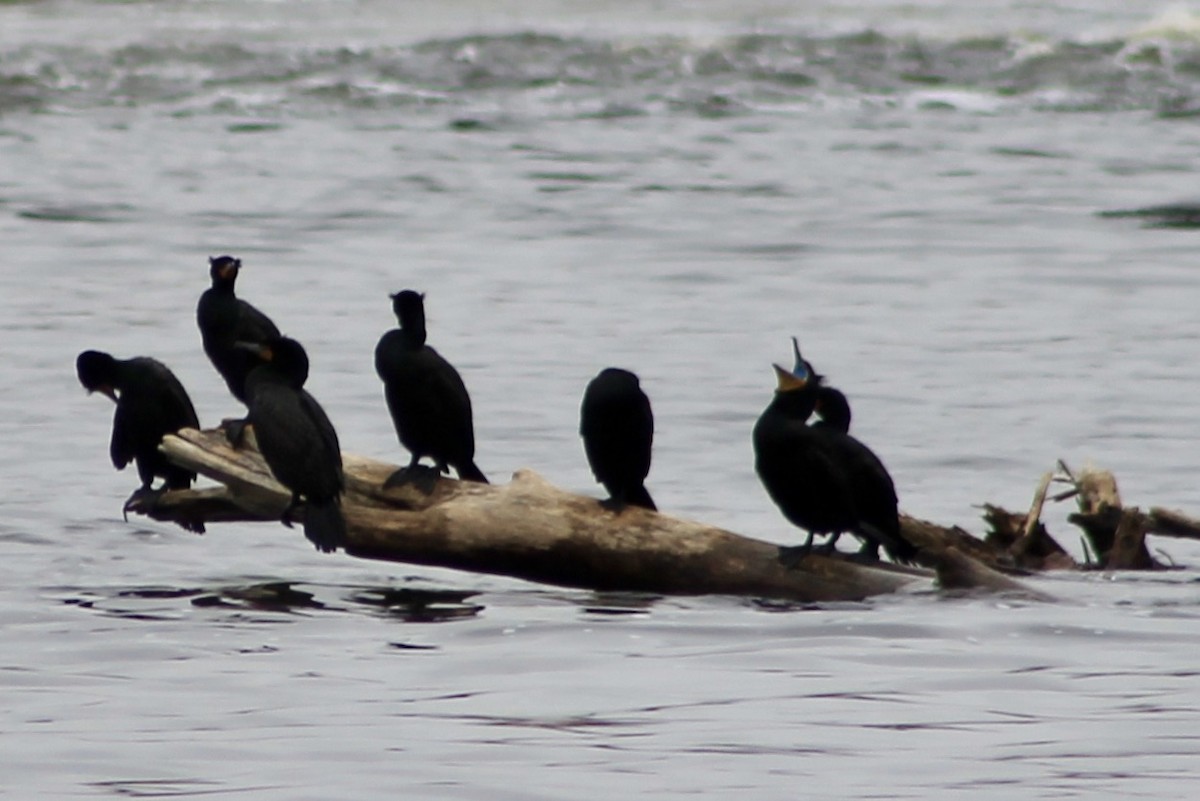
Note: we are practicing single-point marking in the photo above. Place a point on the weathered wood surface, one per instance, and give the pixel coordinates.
(532, 530)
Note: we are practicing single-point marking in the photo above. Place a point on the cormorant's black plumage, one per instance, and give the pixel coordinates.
(297, 440)
(824, 480)
(428, 401)
(150, 404)
(833, 410)
(225, 320)
(617, 427)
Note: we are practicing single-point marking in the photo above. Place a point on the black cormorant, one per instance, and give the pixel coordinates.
(426, 396)
(296, 439)
(150, 404)
(823, 480)
(225, 320)
(617, 427)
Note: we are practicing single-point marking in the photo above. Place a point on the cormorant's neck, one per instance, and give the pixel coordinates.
(413, 327)
(795, 404)
(122, 371)
(222, 286)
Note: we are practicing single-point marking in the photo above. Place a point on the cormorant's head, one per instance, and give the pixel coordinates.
(409, 306)
(97, 372)
(797, 378)
(224, 269)
(617, 374)
(285, 356)
(833, 408)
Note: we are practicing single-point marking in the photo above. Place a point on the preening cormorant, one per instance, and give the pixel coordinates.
(428, 401)
(150, 404)
(296, 439)
(226, 320)
(617, 427)
(823, 480)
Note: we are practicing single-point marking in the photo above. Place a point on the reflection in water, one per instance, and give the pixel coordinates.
(418, 605)
(404, 604)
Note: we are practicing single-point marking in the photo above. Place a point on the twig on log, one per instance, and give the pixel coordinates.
(1117, 535)
(1023, 539)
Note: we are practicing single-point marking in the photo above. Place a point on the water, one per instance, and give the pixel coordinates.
(916, 190)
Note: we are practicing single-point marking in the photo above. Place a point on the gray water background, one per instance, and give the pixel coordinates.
(916, 190)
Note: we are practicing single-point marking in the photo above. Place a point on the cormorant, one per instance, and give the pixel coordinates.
(150, 404)
(226, 320)
(296, 439)
(427, 399)
(617, 427)
(823, 480)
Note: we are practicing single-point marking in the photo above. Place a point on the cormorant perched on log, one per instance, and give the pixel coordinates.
(296, 439)
(226, 320)
(823, 480)
(150, 403)
(427, 399)
(617, 427)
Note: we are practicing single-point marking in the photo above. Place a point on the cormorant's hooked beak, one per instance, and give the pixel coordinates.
(789, 381)
(798, 377)
(105, 389)
(228, 269)
(260, 350)
(801, 365)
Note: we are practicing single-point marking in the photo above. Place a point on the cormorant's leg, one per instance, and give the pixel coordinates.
(869, 552)
(830, 545)
(235, 431)
(286, 517)
(142, 497)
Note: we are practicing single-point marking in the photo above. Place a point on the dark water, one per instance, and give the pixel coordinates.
(977, 217)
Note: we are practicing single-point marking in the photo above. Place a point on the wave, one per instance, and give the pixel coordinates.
(1156, 68)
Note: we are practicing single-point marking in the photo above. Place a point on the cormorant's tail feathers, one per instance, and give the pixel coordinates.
(898, 548)
(638, 496)
(324, 525)
(469, 472)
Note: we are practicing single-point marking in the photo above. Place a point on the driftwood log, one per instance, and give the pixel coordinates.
(531, 530)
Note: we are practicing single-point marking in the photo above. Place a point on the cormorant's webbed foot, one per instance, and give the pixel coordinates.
(235, 431)
(423, 477)
(142, 498)
(790, 556)
(830, 545)
(614, 504)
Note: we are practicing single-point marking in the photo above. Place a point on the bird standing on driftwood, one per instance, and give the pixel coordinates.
(617, 427)
(823, 480)
(296, 439)
(427, 399)
(151, 402)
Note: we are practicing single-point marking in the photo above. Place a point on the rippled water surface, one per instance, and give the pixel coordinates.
(979, 218)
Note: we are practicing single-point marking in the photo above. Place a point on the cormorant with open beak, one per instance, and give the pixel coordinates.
(823, 480)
